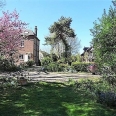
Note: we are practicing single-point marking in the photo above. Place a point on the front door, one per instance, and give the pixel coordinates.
(26, 58)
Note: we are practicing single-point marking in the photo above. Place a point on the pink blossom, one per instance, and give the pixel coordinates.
(10, 31)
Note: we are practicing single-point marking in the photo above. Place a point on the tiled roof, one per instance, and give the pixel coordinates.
(28, 32)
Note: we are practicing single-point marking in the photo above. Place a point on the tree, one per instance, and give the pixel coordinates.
(10, 33)
(74, 44)
(2, 3)
(59, 31)
(104, 39)
(114, 2)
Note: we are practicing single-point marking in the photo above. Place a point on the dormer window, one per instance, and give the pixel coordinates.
(26, 32)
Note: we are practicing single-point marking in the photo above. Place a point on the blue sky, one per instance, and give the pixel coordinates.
(43, 13)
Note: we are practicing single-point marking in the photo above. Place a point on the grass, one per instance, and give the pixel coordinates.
(50, 99)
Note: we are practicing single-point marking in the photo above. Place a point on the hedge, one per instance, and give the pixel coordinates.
(55, 67)
(81, 66)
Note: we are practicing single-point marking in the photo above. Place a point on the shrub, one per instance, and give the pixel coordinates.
(5, 65)
(106, 94)
(54, 57)
(62, 60)
(23, 65)
(57, 67)
(30, 63)
(13, 68)
(63, 67)
(80, 66)
(46, 61)
(7, 82)
(101, 91)
(53, 67)
(76, 58)
(107, 98)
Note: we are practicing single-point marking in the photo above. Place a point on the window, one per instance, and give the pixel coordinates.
(21, 57)
(22, 43)
(26, 32)
(29, 56)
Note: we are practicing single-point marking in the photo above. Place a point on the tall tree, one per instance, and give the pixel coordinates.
(104, 39)
(60, 30)
(74, 44)
(10, 32)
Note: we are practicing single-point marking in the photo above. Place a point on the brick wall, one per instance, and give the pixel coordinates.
(27, 49)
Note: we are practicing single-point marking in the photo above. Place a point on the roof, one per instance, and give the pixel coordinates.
(85, 48)
(89, 49)
(27, 32)
(82, 54)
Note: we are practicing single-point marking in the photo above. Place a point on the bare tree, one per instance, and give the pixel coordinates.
(74, 44)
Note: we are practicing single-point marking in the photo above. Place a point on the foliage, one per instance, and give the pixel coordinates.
(22, 65)
(76, 58)
(74, 43)
(60, 30)
(101, 91)
(104, 39)
(13, 79)
(111, 79)
(80, 66)
(7, 82)
(46, 61)
(54, 57)
(61, 60)
(5, 65)
(53, 67)
(57, 67)
(30, 63)
(10, 32)
(63, 65)
(79, 59)
(13, 68)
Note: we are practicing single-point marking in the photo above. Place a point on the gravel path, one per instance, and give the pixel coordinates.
(59, 77)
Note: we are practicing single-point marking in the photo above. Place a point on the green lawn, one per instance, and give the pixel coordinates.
(50, 99)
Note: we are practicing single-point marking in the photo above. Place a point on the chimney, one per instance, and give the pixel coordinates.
(36, 30)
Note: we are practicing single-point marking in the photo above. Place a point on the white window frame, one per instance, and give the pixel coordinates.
(21, 57)
(22, 43)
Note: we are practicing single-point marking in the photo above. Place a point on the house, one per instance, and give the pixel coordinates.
(29, 47)
(87, 55)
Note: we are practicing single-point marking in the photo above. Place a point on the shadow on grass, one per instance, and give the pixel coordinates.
(49, 99)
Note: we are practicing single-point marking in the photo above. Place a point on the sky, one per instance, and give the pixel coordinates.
(43, 13)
